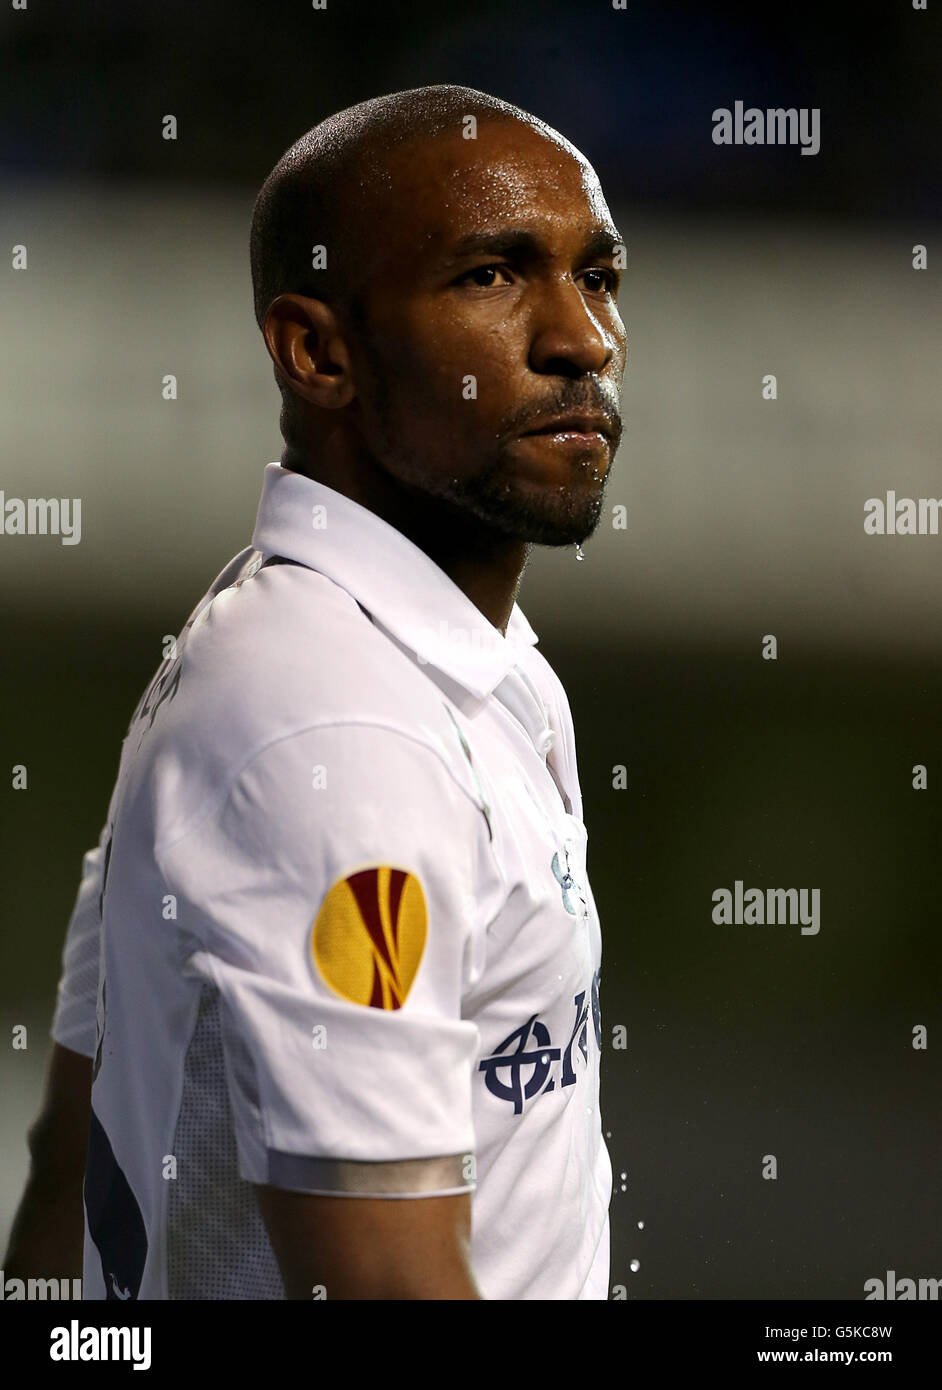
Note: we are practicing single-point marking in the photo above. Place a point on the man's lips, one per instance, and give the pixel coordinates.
(585, 427)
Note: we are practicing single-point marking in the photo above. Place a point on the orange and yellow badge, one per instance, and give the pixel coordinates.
(368, 938)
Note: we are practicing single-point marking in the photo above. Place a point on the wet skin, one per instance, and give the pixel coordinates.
(493, 259)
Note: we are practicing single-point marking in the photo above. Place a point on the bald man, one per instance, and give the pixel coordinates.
(329, 1017)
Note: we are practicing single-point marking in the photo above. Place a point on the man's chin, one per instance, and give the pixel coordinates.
(518, 508)
(553, 520)
(558, 535)
(559, 508)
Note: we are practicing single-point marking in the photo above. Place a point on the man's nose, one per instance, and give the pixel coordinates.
(567, 338)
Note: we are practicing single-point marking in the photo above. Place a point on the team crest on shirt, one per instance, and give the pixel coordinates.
(574, 898)
(368, 937)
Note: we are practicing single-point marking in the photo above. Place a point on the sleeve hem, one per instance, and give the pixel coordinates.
(409, 1177)
(74, 1042)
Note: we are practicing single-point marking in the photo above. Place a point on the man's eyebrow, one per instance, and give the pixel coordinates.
(501, 243)
(601, 242)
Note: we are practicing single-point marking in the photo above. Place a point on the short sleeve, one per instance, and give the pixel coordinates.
(74, 1019)
(332, 898)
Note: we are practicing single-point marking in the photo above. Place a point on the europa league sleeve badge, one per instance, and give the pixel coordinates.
(368, 937)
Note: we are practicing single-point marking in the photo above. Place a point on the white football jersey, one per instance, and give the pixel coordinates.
(337, 935)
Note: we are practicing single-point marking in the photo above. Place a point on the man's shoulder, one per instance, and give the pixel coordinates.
(289, 647)
(272, 659)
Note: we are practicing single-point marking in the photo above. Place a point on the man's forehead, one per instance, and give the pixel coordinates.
(510, 175)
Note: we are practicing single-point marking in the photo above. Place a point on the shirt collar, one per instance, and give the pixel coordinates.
(395, 581)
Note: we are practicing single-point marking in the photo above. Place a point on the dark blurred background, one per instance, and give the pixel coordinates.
(745, 518)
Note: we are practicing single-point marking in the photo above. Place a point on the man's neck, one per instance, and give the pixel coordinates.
(486, 567)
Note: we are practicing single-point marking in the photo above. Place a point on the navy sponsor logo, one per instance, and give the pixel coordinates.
(524, 1065)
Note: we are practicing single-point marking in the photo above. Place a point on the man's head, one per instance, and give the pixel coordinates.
(465, 296)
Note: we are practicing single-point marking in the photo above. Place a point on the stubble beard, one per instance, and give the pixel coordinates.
(550, 515)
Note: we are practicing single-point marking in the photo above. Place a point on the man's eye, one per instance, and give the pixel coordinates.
(604, 280)
(481, 275)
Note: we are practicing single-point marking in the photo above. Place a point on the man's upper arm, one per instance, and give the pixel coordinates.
(332, 901)
(370, 1248)
(47, 1229)
(59, 1135)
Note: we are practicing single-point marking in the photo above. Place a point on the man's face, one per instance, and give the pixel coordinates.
(490, 305)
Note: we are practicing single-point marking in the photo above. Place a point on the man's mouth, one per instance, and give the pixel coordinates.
(584, 429)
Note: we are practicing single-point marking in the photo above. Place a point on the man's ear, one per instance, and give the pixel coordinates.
(307, 345)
